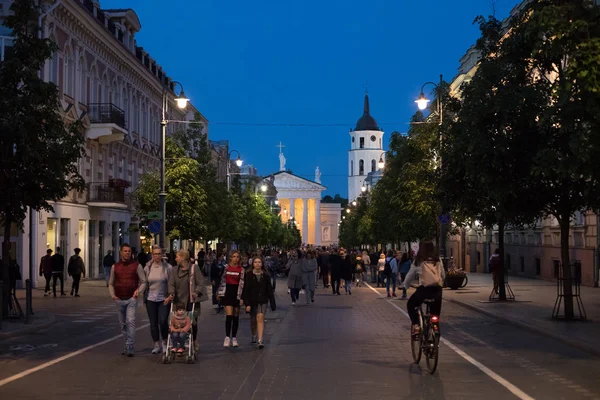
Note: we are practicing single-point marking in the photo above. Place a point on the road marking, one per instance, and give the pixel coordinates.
(509, 386)
(62, 358)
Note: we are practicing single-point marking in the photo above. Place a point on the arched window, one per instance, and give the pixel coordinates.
(93, 85)
(144, 126)
(54, 68)
(361, 167)
(352, 168)
(106, 92)
(373, 165)
(69, 73)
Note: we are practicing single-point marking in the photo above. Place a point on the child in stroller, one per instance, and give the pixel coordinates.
(180, 326)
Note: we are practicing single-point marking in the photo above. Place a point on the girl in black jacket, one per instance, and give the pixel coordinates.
(258, 291)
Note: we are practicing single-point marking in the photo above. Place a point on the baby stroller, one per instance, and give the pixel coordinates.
(190, 354)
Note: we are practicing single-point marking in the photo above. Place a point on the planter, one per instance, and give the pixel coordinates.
(456, 281)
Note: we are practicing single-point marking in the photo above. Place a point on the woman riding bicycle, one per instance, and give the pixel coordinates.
(428, 266)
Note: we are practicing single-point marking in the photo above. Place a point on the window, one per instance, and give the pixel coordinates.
(361, 167)
(538, 266)
(508, 262)
(69, 73)
(373, 165)
(362, 142)
(352, 168)
(135, 117)
(54, 68)
(82, 96)
(5, 47)
(556, 264)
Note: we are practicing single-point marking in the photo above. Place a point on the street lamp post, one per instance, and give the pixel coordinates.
(238, 162)
(422, 103)
(381, 163)
(181, 101)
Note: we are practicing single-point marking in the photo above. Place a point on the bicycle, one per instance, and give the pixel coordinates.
(427, 342)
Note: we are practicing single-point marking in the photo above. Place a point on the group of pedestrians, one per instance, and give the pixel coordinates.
(52, 269)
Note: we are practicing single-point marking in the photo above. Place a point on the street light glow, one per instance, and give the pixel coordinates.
(422, 102)
(381, 164)
(353, 202)
(276, 202)
(239, 162)
(181, 100)
(263, 187)
(348, 210)
(363, 188)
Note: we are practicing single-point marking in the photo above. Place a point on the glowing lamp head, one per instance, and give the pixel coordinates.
(422, 102)
(348, 210)
(263, 188)
(354, 202)
(276, 202)
(239, 162)
(181, 100)
(381, 164)
(363, 188)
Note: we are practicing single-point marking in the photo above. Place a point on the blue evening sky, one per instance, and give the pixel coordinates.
(306, 62)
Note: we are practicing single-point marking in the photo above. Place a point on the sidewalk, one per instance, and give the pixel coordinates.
(533, 309)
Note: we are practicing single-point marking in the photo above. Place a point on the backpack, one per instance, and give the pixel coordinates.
(431, 274)
(387, 270)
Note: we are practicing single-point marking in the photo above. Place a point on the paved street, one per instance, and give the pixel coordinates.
(340, 347)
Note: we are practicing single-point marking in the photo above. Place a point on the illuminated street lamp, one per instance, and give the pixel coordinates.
(238, 162)
(354, 202)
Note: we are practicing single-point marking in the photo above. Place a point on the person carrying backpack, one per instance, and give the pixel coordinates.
(430, 270)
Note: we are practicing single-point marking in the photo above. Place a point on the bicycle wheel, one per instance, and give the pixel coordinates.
(416, 343)
(432, 353)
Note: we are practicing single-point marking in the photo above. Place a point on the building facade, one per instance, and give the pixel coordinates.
(366, 149)
(533, 252)
(116, 89)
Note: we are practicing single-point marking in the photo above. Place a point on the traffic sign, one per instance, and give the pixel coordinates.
(444, 219)
(154, 215)
(154, 226)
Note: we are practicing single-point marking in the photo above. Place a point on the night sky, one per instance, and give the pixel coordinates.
(256, 69)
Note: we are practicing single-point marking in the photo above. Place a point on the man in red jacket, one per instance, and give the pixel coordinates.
(127, 281)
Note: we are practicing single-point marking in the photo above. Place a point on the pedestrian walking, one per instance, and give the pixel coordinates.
(127, 281)
(392, 276)
(186, 286)
(295, 278)
(405, 263)
(359, 269)
(46, 270)
(216, 273)
(107, 264)
(324, 265)
(76, 269)
(374, 257)
(347, 271)
(58, 268)
(258, 292)
(381, 270)
(496, 269)
(309, 269)
(230, 296)
(157, 274)
(336, 262)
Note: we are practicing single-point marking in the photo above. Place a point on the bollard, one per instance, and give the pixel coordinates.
(28, 312)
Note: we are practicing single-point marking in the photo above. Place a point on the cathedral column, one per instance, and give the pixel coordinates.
(292, 210)
(305, 220)
(317, 222)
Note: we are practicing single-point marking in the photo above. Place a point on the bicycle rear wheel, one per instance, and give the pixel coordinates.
(432, 353)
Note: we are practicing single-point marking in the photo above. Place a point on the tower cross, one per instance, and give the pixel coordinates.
(281, 146)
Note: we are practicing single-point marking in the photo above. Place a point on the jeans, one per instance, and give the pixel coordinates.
(126, 313)
(417, 298)
(347, 285)
(391, 281)
(374, 274)
(55, 277)
(75, 285)
(158, 314)
(107, 274)
(335, 285)
(48, 278)
(178, 339)
(295, 294)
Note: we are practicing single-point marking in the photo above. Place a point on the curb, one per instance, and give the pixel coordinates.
(29, 329)
(528, 327)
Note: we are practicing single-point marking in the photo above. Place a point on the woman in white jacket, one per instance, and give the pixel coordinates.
(431, 275)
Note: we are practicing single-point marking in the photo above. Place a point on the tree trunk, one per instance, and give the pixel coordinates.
(5, 269)
(565, 226)
(501, 283)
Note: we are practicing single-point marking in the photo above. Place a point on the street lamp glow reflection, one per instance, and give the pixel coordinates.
(181, 100)
(239, 162)
(422, 102)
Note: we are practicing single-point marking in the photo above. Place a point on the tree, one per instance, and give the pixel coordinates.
(489, 150)
(186, 198)
(38, 151)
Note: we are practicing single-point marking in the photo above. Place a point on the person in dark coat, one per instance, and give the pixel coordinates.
(347, 271)
(58, 267)
(335, 262)
(324, 265)
(75, 269)
(46, 270)
(258, 292)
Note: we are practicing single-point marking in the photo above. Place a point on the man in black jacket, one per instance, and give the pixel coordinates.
(58, 267)
(323, 261)
(335, 262)
(216, 272)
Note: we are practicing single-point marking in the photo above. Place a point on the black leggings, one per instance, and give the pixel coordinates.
(422, 293)
(75, 285)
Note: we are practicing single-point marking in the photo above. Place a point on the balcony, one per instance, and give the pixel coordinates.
(107, 123)
(107, 194)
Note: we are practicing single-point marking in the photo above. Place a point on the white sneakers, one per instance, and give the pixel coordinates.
(156, 348)
(230, 342)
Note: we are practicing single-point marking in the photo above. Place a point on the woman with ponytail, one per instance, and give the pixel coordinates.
(230, 296)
